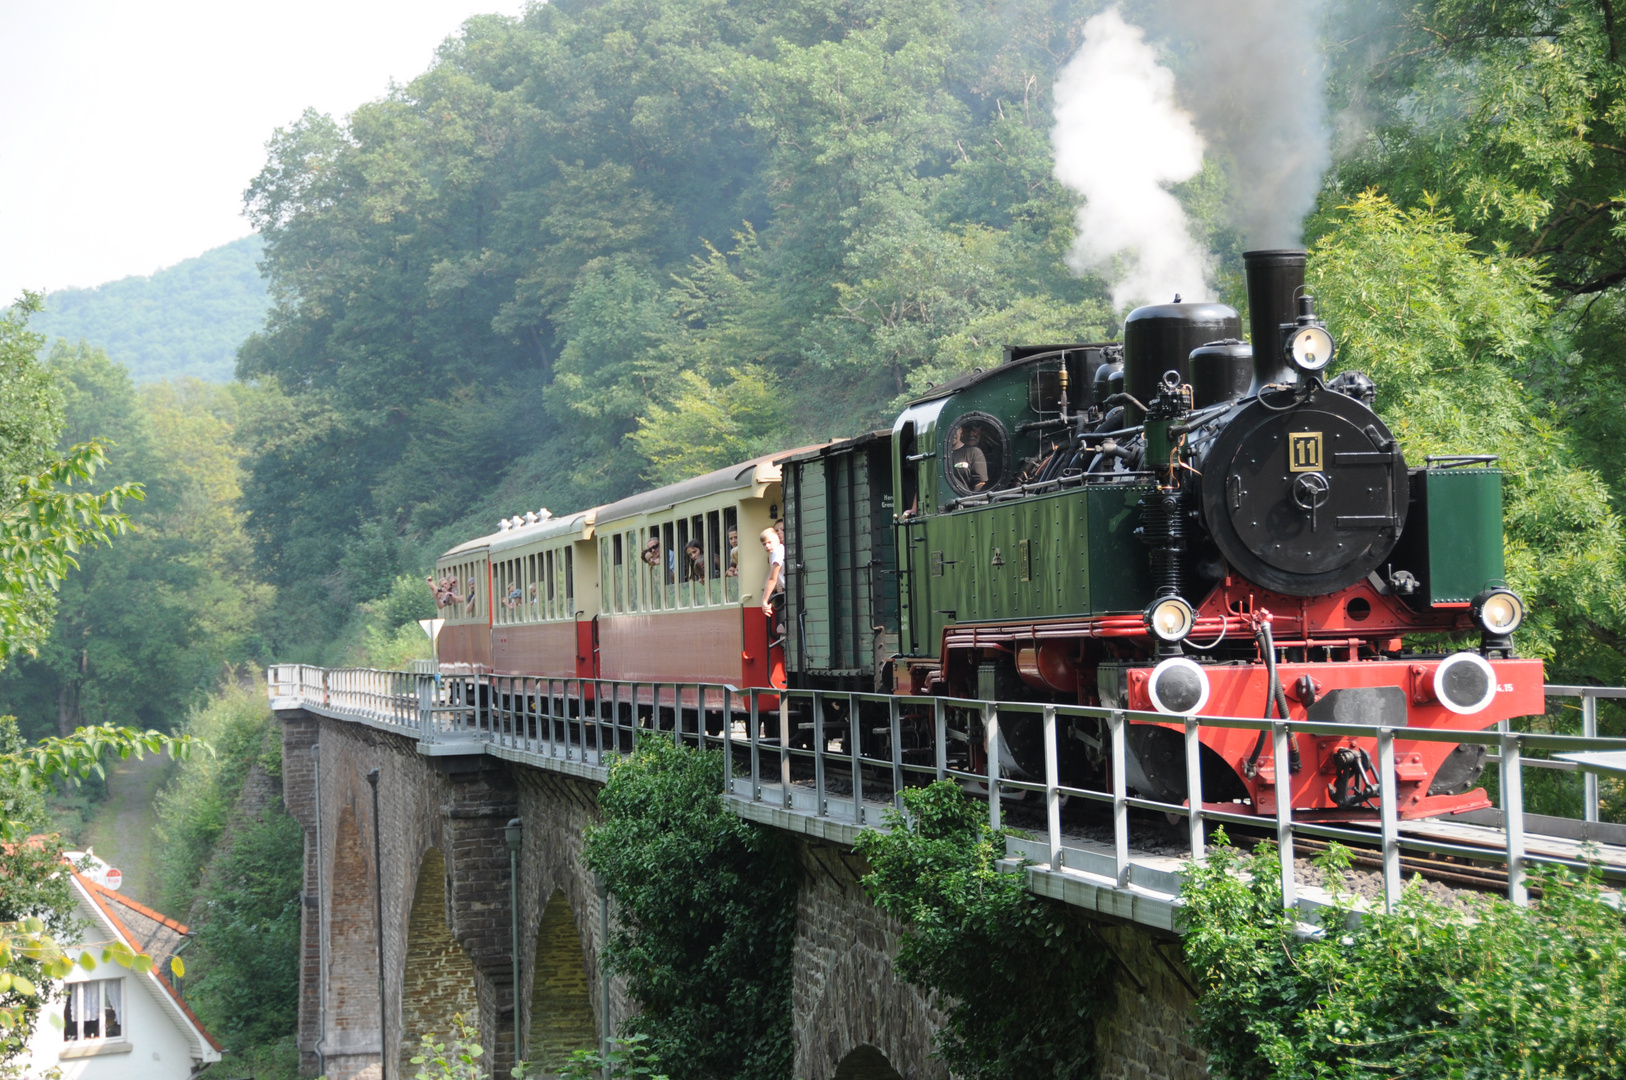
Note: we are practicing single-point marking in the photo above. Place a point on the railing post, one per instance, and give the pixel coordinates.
(784, 749)
(1589, 728)
(1388, 818)
(1513, 818)
(855, 743)
(728, 742)
(754, 734)
(1052, 797)
(896, 735)
(426, 707)
(990, 725)
(818, 753)
(1194, 787)
(1281, 739)
(940, 737)
(1117, 727)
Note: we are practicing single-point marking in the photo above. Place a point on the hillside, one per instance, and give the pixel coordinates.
(186, 319)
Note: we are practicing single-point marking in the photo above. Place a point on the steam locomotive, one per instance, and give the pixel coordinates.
(1180, 523)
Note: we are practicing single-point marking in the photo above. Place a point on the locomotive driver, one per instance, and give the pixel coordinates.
(969, 462)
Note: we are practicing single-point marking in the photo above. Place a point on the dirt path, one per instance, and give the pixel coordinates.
(122, 830)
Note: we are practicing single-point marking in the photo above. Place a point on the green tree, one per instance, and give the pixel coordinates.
(146, 625)
(1429, 991)
(1453, 338)
(713, 983)
(1020, 979)
(43, 523)
(498, 288)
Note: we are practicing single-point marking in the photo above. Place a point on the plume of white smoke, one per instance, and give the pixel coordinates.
(1120, 140)
(1255, 78)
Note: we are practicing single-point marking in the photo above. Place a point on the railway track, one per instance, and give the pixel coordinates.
(1461, 874)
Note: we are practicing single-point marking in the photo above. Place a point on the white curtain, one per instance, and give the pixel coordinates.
(115, 1008)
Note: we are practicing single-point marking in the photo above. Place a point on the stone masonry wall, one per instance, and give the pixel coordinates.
(457, 806)
(557, 812)
(1147, 1035)
(561, 998)
(299, 732)
(850, 1012)
(438, 983)
(845, 994)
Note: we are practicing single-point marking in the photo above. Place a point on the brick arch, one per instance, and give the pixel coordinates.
(352, 951)
(562, 1017)
(438, 978)
(866, 1063)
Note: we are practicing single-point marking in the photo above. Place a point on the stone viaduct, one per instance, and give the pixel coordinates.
(407, 917)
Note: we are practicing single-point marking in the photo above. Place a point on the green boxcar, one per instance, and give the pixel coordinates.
(842, 589)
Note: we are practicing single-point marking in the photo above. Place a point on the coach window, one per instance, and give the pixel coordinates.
(680, 564)
(545, 593)
(731, 555)
(500, 583)
(533, 591)
(650, 567)
(569, 586)
(697, 566)
(618, 585)
(715, 556)
(657, 570)
(636, 568)
(669, 564)
(629, 550)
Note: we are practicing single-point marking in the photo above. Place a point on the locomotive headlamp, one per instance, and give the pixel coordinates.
(1169, 619)
(1310, 347)
(1465, 683)
(1499, 611)
(1178, 686)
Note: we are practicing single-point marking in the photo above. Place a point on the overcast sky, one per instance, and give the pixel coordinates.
(129, 128)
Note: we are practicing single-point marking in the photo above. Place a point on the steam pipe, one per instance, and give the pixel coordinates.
(1275, 278)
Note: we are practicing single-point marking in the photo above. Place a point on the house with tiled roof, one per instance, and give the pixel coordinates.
(118, 1023)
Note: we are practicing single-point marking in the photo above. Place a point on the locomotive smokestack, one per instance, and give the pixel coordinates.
(1275, 278)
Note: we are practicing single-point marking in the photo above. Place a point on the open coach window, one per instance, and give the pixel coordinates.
(977, 452)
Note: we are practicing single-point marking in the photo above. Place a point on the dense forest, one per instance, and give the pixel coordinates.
(611, 243)
(606, 244)
(184, 320)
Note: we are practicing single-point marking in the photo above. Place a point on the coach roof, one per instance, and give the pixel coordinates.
(757, 473)
(577, 526)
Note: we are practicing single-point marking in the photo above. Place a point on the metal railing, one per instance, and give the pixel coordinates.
(847, 757)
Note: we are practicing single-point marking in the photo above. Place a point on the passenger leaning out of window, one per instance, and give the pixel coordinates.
(773, 589)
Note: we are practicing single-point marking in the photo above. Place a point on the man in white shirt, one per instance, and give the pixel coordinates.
(774, 588)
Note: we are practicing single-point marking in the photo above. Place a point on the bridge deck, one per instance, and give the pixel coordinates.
(1110, 852)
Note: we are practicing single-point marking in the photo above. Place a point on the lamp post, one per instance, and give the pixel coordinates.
(378, 909)
(514, 834)
(602, 887)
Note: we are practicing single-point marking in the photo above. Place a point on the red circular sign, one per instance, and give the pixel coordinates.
(113, 879)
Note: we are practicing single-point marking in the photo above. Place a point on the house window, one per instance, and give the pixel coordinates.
(94, 1010)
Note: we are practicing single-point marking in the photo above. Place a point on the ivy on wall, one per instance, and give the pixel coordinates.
(706, 916)
(1430, 991)
(1021, 979)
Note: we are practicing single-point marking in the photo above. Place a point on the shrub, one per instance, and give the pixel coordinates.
(705, 911)
(1019, 976)
(1429, 991)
